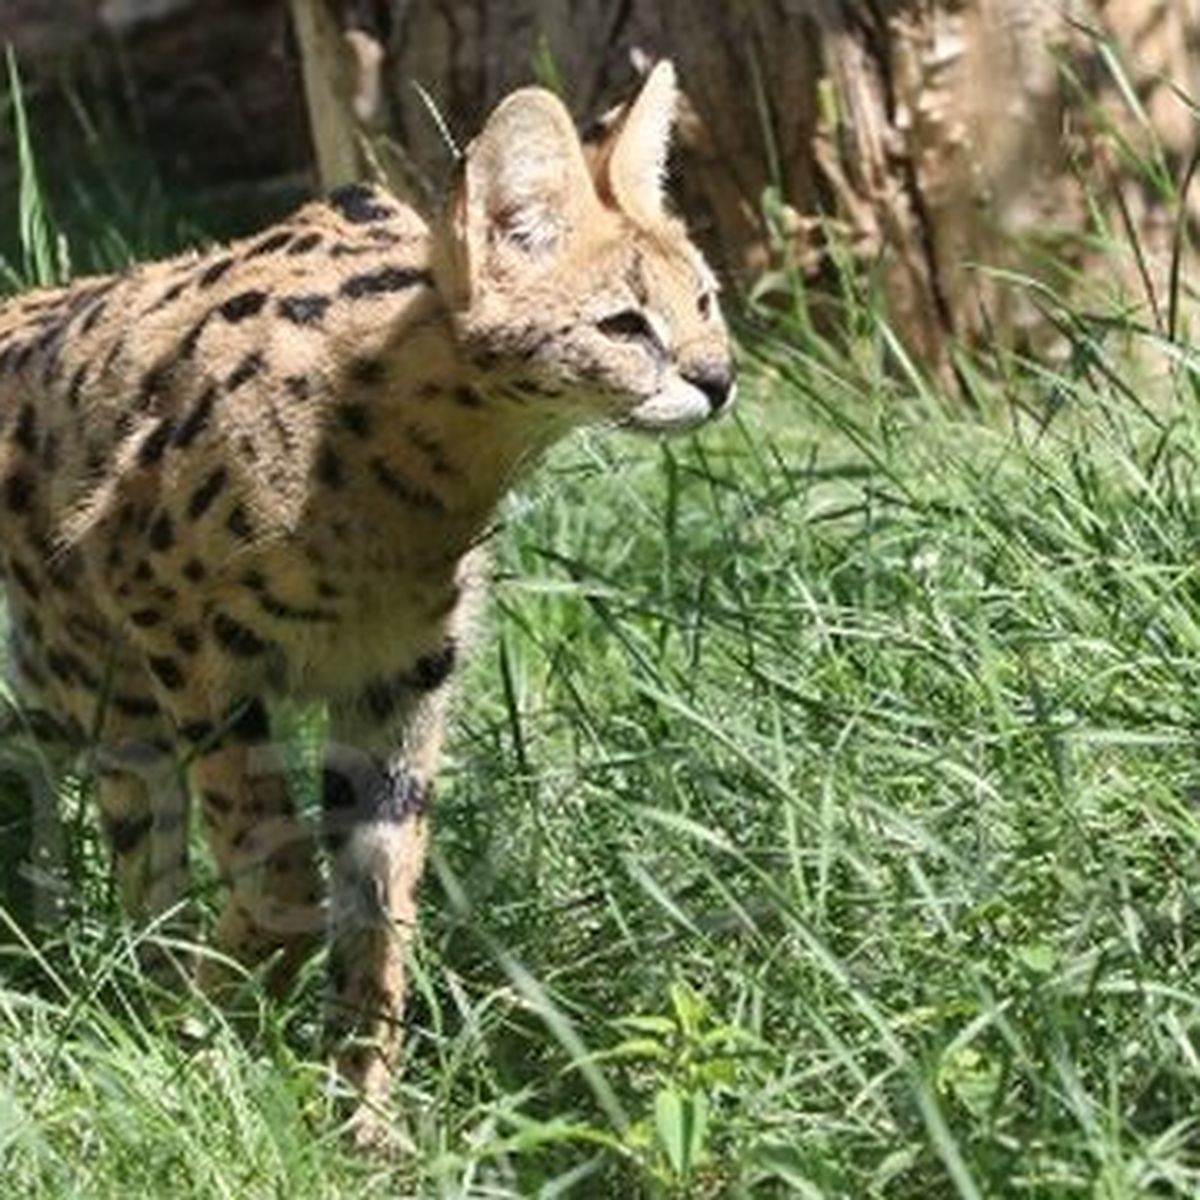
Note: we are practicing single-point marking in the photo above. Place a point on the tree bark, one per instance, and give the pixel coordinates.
(950, 144)
(955, 145)
(208, 88)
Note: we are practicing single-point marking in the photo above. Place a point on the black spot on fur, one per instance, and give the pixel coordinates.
(246, 370)
(114, 352)
(25, 433)
(48, 455)
(339, 973)
(202, 498)
(467, 397)
(24, 579)
(197, 731)
(303, 310)
(51, 368)
(432, 670)
(166, 671)
(187, 347)
(197, 419)
(155, 442)
(384, 281)
(242, 306)
(218, 802)
(194, 570)
(135, 706)
(87, 633)
(359, 204)
(59, 664)
(355, 418)
(358, 792)
(212, 273)
(283, 611)
(271, 243)
(236, 638)
(383, 237)
(71, 668)
(367, 371)
(401, 489)
(239, 524)
(383, 697)
(16, 356)
(170, 295)
(162, 533)
(187, 639)
(305, 244)
(63, 567)
(85, 677)
(75, 387)
(433, 450)
(329, 468)
(250, 722)
(126, 834)
(283, 431)
(299, 387)
(28, 667)
(152, 386)
(22, 356)
(94, 314)
(145, 618)
(19, 489)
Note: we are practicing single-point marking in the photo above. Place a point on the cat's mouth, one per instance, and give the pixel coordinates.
(687, 402)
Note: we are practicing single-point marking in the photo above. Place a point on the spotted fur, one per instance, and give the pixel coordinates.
(267, 472)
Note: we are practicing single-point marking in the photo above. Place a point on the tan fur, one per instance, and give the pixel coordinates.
(267, 471)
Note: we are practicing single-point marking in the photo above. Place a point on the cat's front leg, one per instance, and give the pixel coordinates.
(377, 811)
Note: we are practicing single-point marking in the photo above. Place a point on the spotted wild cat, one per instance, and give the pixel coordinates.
(265, 472)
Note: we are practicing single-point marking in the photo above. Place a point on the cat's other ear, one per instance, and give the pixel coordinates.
(526, 188)
(629, 159)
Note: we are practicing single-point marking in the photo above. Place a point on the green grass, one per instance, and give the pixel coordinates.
(821, 820)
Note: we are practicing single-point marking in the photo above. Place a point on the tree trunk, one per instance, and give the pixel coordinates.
(947, 140)
(948, 143)
(207, 87)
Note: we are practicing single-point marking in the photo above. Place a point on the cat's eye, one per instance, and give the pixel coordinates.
(629, 325)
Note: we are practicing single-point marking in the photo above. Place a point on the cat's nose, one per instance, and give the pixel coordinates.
(717, 381)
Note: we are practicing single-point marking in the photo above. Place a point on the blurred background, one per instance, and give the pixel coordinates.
(931, 143)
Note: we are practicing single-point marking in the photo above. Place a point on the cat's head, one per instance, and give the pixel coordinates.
(577, 288)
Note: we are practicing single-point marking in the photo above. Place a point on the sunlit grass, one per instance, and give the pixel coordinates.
(820, 820)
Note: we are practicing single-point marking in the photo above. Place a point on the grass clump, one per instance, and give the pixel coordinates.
(820, 820)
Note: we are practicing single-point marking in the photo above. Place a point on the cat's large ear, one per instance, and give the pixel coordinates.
(527, 188)
(631, 161)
